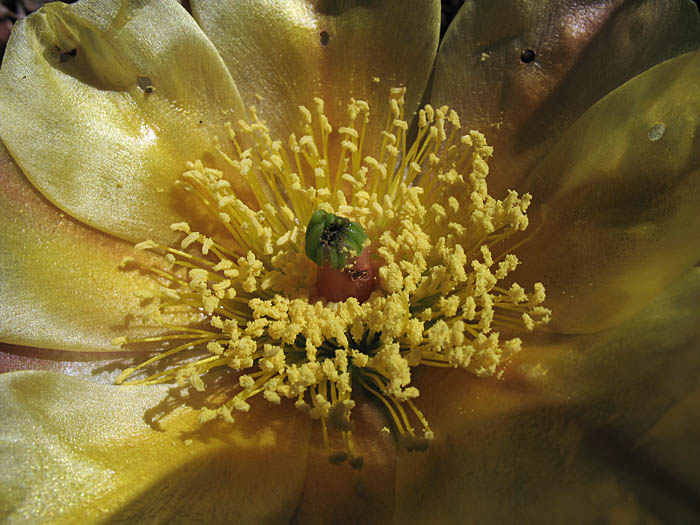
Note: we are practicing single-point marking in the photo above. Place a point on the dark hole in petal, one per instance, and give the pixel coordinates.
(67, 55)
(325, 38)
(527, 56)
(145, 84)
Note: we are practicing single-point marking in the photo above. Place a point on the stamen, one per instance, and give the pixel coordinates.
(440, 247)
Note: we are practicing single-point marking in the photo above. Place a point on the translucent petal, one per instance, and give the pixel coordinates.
(75, 451)
(103, 102)
(621, 189)
(95, 366)
(283, 54)
(582, 50)
(572, 432)
(60, 285)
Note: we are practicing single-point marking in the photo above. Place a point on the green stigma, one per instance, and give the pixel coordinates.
(330, 239)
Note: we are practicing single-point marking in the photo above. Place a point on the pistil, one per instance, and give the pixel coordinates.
(432, 293)
(340, 248)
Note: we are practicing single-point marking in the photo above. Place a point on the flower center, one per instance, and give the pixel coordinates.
(340, 248)
(439, 246)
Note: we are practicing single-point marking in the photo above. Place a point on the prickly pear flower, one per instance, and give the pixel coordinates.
(335, 271)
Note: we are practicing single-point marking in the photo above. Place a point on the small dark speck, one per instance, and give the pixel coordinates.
(200, 122)
(527, 56)
(145, 84)
(325, 38)
(67, 55)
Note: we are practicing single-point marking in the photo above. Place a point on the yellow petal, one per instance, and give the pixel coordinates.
(582, 50)
(638, 369)
(102, 104)
(571, 434)
(95, 366)
(60, 285)
(338, 493)
(677, 430)
(78, 452)
(621, 189)
(283, 54)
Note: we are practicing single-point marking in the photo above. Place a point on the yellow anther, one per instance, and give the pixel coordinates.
(439, 299)
(395, 109)
(401, 124)
(389, 136)
(349, 131)
(180, 227)
(145, 245)
(350, 146)
(306, 114)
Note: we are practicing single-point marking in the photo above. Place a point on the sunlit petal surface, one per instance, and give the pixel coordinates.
(283, 54)
(60, 282)
(73, 451)
(103, 102)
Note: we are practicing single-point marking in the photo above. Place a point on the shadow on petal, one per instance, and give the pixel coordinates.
(575, 431)
(72, 450)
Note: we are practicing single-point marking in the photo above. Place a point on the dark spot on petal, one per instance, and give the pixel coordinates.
(527, 56)
(356, 462)
(67, 55)
(338, 457)
(145, 84)
(325, 38)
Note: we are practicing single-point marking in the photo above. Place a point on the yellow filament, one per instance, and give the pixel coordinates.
(432, 225)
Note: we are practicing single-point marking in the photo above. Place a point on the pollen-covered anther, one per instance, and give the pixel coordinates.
(441, 249)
